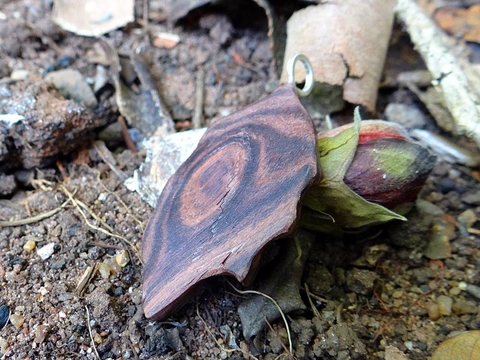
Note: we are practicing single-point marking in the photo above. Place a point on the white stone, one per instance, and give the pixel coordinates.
(46, 251)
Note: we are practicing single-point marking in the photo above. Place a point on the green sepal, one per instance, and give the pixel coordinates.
(331, 197)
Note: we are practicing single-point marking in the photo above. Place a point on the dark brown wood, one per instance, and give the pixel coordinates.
(239, 190)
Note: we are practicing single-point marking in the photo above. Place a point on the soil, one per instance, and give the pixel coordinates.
(372, 291)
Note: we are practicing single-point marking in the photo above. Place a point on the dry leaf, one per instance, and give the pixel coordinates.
(460, 22)
(92, 17)
(465, 346)
(346, 42)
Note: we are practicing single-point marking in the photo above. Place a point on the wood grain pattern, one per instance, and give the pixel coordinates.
(239, 190)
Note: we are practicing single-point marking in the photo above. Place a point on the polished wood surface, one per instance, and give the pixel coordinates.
(239, 190)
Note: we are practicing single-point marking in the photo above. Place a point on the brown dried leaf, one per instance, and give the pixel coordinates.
(346, 42)
(463, 22)
(465, 346)
(92, 17)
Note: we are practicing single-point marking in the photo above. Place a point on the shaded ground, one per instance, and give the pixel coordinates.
(377, 291)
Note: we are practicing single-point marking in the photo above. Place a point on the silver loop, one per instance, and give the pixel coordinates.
(309, 80)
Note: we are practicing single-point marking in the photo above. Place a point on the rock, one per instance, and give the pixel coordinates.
(472, 198)
(338, 339)
(3, 345)
(411, 233)
(104, 270)
(8, 185)
(111, 135)
(360, 281)
(122, 258)
(392, 353)
(72, 85)
(438, 246)
(462, 307)
(407, 115)
(19, 75)
(51, 126)
(433, 311)
(473, 290)
(40, 333)
(467, 218)
(59, 264)
(320, 279)
(46, 251)
(219, 26)
(446, 184)
(4, 68)
(29, 245)
(445, 305)
(17, 320)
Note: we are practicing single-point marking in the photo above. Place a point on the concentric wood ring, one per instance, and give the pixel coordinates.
(239, 190)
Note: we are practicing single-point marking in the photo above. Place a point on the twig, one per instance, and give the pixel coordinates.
(278, 337)
(451, 73)
(43, 184)
(90, 331)
(472, 230)
(316, 313)
(290, 346)
(119, 199)
(217, 342)
(62, 170)
(75, 202)
(199, 99)
(105, 245)
(92, 214)
(126, 135)
(107, 157)
(35, 218)
(145, 12)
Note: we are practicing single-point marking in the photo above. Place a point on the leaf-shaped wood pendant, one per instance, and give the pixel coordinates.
(239, 190)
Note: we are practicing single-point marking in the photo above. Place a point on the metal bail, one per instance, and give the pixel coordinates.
(309, 80)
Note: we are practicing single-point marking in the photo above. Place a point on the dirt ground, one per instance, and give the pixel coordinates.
(371, 292)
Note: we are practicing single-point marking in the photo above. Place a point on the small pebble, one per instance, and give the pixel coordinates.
(40, 333)
(46, 251)
(17, 320)
(392, 353)
(65, 297)
(3, 345)
(406, 115)
(72, 85)
(97, 338)
(115, 268)
(467, 218)
(29, 245)
(397, 294)
(444, 305)
(445, 185)
(454, 291)
(58, 265)
(8, 184)
(122, 258)
(462, 307)
(118, 291)
(473, 290)
(63, 62)
(433, 311)
(18, 75)
(105, 270)
(438, 247)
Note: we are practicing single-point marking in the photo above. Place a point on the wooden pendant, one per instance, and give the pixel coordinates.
(239, 190)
